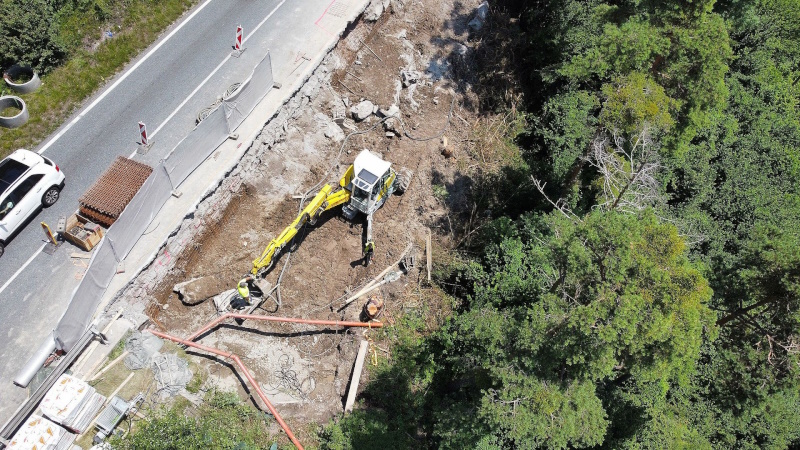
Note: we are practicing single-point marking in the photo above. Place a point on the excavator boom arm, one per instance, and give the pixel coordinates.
(323, 201)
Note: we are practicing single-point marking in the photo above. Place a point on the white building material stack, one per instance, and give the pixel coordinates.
(72, 403)
(41, 434)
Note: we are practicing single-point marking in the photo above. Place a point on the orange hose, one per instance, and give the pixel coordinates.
(246, 373)
(226, 316)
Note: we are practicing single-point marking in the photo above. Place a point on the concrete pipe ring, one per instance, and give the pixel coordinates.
(10, 101)
(17, 72)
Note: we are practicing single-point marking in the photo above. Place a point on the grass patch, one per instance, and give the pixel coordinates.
(143, 380)
(66, 87)
(198, 380)
(224, 420)
(492, 141)
(119, 348)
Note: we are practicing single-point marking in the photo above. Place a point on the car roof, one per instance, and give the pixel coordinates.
(15, 165)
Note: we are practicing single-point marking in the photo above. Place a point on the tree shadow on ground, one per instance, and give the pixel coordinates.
(389, 416)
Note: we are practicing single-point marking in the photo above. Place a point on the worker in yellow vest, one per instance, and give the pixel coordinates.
(244, 288)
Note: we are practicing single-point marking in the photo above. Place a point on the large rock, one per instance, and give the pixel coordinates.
(375, 9)
(390, 125)
(392, 111)
(477, 22)
(332, 131)
(362, 110)
(329, 126)
(197, 290)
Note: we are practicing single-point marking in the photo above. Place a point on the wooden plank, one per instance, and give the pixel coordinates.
(119, 388)
(110, 365)
(428, 253)
(356, 378)
(377, 279)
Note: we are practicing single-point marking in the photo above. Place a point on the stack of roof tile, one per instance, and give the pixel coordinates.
(38, 433)
(72, 403)
(111, 193)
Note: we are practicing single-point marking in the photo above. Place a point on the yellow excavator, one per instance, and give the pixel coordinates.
(363, 188)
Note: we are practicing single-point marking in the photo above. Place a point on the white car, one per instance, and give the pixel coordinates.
(27, 181)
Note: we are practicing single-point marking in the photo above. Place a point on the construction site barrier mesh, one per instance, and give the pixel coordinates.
(165, 179)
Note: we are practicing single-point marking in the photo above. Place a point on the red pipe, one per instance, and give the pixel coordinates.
(223, 317)
(247, 375)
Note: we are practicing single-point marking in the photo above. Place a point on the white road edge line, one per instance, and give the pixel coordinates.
(199, 86)
(30, 260)
(92, 105)
(122, 78)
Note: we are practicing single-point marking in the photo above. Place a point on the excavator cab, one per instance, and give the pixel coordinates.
(373, 182)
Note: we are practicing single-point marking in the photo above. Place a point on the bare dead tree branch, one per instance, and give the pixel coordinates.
(628, 170)
(686, 229)
(560, 205)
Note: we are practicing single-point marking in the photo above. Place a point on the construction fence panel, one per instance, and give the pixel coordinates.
(140, 212)
(78, 316)
(242, 102)
(187, 155)
(118, 242)
(196, 147)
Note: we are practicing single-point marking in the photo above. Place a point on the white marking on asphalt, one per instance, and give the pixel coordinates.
(199, 86)
(92, 105)
(30, 260)
(215, 70)
(121, 79)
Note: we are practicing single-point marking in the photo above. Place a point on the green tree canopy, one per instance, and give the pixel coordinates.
(571, 308)
(29, 34)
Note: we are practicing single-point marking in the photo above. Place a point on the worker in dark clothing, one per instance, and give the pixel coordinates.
(369, 249)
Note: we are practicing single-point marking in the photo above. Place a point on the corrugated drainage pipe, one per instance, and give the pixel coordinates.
(15, 72)
(12, 101)
(245, 372)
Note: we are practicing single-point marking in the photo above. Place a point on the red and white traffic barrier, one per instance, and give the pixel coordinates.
(238, 45)
(143, 134)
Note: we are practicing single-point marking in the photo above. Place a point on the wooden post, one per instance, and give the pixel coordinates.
(428, 252)
(356, 378)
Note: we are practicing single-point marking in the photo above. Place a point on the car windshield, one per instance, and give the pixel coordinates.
(10, 171)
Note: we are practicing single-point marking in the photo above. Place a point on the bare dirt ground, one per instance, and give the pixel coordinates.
(306, 370)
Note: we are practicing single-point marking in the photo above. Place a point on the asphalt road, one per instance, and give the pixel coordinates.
(165, 88)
